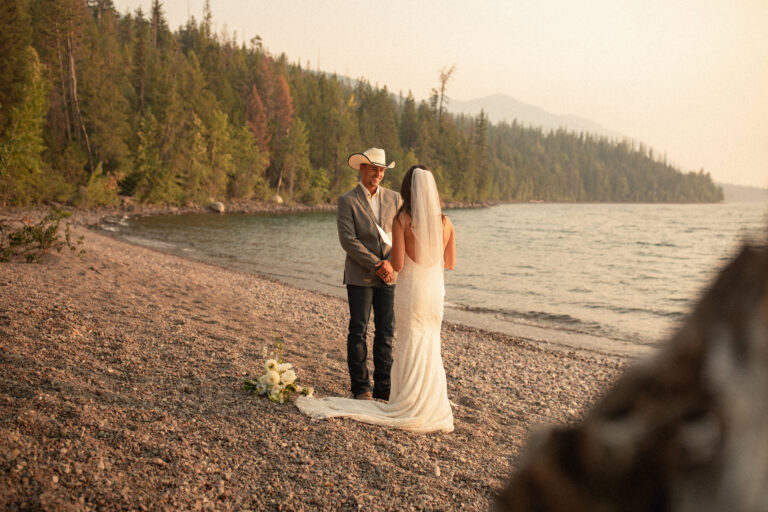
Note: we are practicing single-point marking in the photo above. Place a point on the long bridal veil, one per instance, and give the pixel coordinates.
(426, 218)
(418, 398)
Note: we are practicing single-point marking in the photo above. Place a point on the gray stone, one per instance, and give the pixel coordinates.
(217, 207)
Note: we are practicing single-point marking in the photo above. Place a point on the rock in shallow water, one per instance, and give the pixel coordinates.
(217, 207)
(684, 431)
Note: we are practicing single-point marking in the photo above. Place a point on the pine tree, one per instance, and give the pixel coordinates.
(256, 119)
(377, 120)
(318, 136)
(329, 114)
(409, 124)
(481, 167)
(15, 37)
(105, 107)
(21, 147)
(281, 121)
(141, 56)
(60, 34)
(220, 160)
(159, 25)
(197, 171)
(283, 111)
(296, 166)
(156, 183)
(249, 163)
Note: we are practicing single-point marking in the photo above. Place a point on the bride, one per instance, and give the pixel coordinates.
(423, 242)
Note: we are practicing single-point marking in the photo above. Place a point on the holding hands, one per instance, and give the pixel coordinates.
(385, 271)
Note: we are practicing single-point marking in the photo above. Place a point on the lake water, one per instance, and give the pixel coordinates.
(617, 277)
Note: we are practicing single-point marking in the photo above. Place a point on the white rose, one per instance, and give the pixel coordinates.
(261, 388)
(273, 378)
(299, 389)
(275, 392)
(283, 367)
(263, 379)
(309, 390)
(270, 364)
(288, 377)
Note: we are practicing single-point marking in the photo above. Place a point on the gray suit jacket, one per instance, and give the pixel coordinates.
(360, 238)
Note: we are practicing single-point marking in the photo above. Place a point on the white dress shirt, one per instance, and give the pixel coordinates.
(375, 201)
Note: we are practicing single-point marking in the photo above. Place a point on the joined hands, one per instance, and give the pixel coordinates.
(385, 271)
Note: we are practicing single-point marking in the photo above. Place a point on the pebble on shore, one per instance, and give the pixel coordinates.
(120, 387)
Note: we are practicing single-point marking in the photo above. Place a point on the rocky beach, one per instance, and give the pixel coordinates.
(121, 388)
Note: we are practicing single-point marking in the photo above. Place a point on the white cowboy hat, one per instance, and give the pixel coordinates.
(373, 156)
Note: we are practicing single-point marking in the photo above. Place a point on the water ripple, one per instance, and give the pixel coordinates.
(620, 270)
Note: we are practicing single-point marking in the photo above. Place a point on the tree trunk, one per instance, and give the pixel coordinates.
(155, 22)
(63, 82)
(445, 77)
(336, 182)
(141, 93)
(75, 101)
(291, 179)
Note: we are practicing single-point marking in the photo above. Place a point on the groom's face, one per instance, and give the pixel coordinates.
(371, 175)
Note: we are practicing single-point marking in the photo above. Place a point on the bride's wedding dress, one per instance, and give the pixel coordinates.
(418, 399)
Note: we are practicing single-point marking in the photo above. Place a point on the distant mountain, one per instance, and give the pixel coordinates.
(742, 194)
(501, 107)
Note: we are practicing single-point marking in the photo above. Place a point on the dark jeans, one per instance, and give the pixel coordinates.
(361, 299)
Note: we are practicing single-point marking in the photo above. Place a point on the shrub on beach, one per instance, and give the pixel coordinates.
(33, 241)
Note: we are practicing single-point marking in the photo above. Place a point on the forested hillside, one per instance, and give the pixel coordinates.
(96, 104)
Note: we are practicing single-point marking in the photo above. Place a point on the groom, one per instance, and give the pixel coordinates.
(364, 220)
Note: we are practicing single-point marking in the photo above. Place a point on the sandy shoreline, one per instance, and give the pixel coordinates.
(120, 388)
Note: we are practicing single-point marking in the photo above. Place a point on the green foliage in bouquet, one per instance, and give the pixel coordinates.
(278, 380)
(32, 241)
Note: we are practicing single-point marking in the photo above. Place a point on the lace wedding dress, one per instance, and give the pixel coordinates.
(418, 399)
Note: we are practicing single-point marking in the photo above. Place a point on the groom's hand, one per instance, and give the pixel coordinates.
(385, 271)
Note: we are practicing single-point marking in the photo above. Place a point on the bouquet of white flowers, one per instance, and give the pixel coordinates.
(278, 382)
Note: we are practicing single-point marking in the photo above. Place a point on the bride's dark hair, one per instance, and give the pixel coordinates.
(405, 189)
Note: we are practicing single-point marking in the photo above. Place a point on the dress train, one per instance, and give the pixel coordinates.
(418, 398)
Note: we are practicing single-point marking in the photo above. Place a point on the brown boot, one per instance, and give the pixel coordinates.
(364, 396)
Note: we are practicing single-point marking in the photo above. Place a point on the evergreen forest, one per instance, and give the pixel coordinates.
(96, 105)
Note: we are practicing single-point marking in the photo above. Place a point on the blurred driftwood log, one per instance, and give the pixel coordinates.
(684, 431)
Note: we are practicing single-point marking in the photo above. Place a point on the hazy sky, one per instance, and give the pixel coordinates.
(688, 77)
